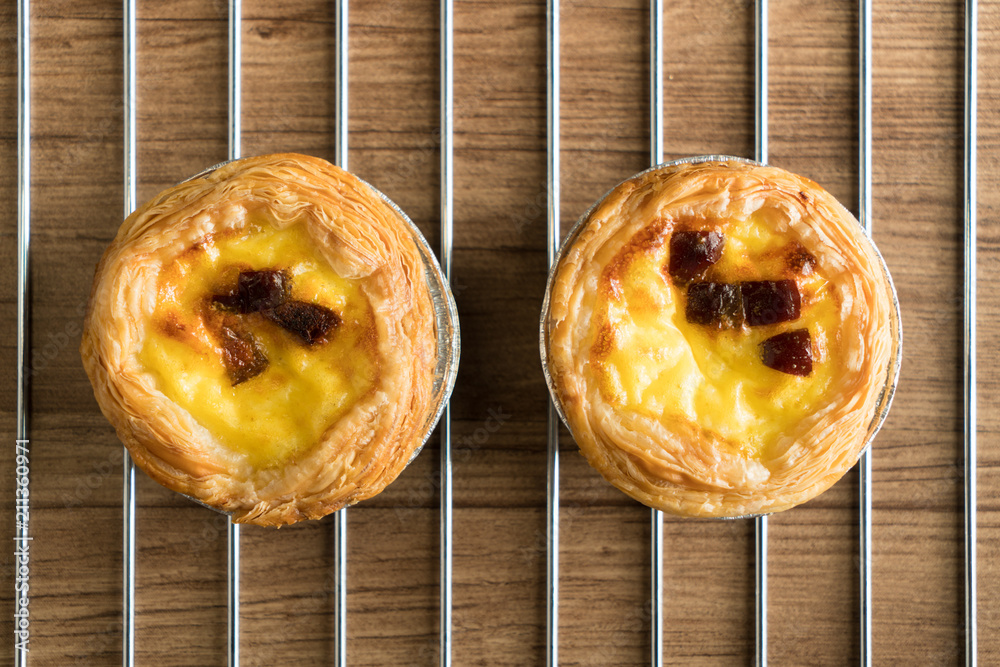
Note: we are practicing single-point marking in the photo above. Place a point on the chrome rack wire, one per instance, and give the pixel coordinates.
(235, 136)
(552, 245)
(21, 446)
(342, 26)
(865, 217)
(969, 327)
(447, 225)
(128, 472)
(656, 157)
(760, 155)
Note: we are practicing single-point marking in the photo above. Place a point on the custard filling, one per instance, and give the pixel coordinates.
(305, 388)
(649, 358)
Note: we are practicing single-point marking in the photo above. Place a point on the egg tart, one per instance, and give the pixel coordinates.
(721, 338)
(272, 338)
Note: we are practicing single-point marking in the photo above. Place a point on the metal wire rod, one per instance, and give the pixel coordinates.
(235, 78)
(865, 217)
(971, 421)
(128, 471)
(447, 225)
(760, 154)
(553, 236)
(760, 549)
(340, 158)
(656, 157)
(341, 72)
(233, 544)
(23, 210)
(552, 539)
(760, 81)
(22, 456)
(235, 127)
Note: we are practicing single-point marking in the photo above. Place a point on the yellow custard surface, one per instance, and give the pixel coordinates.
(305, 389)
(649, 359)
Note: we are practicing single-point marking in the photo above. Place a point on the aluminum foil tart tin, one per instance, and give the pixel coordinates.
(892, 371)
(445, 320)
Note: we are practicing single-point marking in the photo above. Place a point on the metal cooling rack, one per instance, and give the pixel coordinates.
(553, 236)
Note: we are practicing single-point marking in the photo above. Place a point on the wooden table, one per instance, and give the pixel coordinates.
(499, 405)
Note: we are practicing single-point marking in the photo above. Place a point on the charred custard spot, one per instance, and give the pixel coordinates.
(306, 320)
(256, 291)
(799, 260)
(242, 355)
(789, 352)
(770, 302)
(604, 343)
(714, 304)
(692, 252)
(172, 327)
(645, 241)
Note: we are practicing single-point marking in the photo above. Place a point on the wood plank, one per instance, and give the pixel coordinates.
(499, 266)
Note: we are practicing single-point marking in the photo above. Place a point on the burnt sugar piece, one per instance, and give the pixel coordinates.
(256, 291)
(770, 302)
(242, 355)
(306, 320)
(267, 292)
(714, 304)
(789, 352)
(754, 303)
(692, 252)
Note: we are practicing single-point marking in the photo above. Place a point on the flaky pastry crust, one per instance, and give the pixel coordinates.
(681, 466)
(364, 240)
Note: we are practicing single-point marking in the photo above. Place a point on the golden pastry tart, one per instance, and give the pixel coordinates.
(721, 338)
(272, 338)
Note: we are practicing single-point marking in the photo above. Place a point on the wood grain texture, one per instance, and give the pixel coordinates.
(499, 406)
